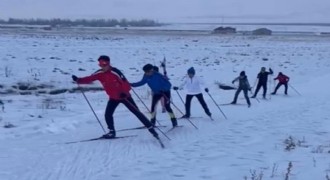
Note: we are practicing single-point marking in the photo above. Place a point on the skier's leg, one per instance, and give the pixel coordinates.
(264, 86)
(286, 88)
(247, 97)
(155, 99)
(276, 88)
(129, 103)
(236, 95)
(187, 105)
(162, 101)
(257, 90)
(110, 109)
(167, 96)
(204, 105)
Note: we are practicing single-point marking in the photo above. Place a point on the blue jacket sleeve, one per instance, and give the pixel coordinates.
(140, 83)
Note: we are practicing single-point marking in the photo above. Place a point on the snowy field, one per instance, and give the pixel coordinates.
(283, 137)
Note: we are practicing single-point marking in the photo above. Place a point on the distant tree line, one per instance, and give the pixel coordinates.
(83, 22)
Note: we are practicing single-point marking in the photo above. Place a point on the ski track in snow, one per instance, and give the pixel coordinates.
(251, 138)
(104, 159)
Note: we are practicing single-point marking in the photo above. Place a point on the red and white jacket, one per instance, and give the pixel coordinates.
(113, 85)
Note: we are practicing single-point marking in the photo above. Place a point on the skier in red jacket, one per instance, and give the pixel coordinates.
(117, 88)
(282, 80)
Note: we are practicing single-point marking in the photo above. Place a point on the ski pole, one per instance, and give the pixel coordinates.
(294, 89)
(167, 99)
(180, 97)
(144, 104)
(137, 109)
(141, 100)
(217, 105)
(257, 100)
(82, 92)
(255, 97)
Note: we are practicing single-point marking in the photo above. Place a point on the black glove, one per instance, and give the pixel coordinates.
(123, 95)
(233, 82)
(74, 78)
(162, 64)
(206, 89)
(175, 88)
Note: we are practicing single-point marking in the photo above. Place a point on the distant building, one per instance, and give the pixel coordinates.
(262, 31)
(224, 30)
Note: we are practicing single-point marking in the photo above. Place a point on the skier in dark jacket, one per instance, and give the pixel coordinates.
(243, 85)
(282, 80)
(160, 87)
(117, 88)
(262, 81)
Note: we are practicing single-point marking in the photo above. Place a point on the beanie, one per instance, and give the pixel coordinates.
(191, 71)
(147, 67)
(156, 69)
(104, 58)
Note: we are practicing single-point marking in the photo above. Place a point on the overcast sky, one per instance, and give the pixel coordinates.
(172, 10)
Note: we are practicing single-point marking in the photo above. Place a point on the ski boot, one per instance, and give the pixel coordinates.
(111, 134)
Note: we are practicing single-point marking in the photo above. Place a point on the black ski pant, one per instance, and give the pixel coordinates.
(279, 85)
(264, 86)
(130, 104)
(167, 97)
(245, 91)
(201, 101)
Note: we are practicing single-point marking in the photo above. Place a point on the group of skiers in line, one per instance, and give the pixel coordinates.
(262, 77)
(117, 87)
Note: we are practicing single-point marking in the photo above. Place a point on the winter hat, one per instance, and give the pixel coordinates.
(104, 60)
(156, 69)
(280, 73)
(242, 73)
(263, 69)
(147, 67)
(191, 71)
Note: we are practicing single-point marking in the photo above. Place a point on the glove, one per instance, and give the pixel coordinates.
(233, 82)
(123, 95)
(206, 89)
(74, 78)
(175, 88)
(162, 65)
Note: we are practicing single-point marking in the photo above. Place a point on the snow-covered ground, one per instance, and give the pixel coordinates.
(263, 140)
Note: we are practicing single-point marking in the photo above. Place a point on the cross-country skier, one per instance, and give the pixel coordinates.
(193, 86)
(262, 81)
(282, 80)
(117, 88)
(160, 87)
(243, 85)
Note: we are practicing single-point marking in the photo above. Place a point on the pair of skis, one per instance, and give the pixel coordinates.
(100, 138)
(143, 127)
(118, 137)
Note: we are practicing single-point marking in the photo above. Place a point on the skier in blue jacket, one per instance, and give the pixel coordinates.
(160, 87)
